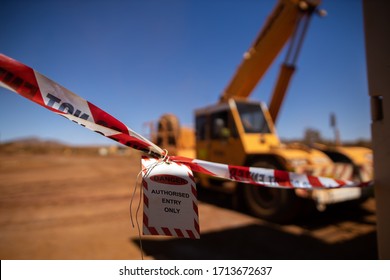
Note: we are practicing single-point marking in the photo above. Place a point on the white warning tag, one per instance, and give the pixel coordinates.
(170, 199)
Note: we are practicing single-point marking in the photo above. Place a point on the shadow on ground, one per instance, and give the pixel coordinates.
(256, 242)
(270, 241)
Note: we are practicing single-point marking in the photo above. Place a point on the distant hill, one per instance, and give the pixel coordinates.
(34, 141)
(35, 145)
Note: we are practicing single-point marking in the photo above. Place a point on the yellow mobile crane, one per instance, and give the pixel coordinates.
(239, 131)
(360, 158)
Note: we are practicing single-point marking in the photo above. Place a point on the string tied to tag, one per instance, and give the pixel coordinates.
(146, 171)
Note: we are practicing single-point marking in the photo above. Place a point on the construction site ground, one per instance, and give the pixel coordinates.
(64, 206)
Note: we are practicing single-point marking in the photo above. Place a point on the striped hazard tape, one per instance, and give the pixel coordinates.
(264, 176)
(47, 93)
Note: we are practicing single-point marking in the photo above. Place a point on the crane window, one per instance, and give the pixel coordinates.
(201, 127)
(220, 125)
(252, 118)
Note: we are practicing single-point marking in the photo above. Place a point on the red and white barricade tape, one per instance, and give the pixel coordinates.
(264, 176)
(45, 92)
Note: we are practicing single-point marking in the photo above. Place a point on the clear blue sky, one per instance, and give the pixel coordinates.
(138, 59)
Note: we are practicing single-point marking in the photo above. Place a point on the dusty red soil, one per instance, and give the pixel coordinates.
(77, 207)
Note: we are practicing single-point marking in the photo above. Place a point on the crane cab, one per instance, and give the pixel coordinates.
(230, 131)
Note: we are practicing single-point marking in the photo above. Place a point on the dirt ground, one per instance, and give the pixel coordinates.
(77, 207)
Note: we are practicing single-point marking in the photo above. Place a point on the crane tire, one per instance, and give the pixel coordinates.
(272, 204)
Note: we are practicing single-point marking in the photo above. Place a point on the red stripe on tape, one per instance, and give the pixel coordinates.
(340, 182)
(20, 78)
(104, 119)
(130, 141)
(282, 178)
(314, 181)
(191, 164)
(240, 173)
